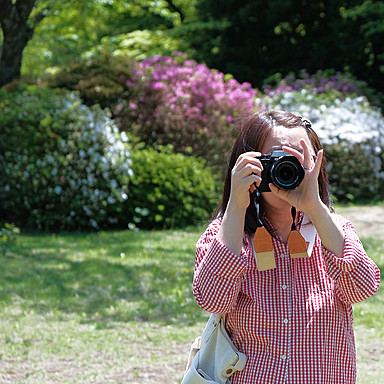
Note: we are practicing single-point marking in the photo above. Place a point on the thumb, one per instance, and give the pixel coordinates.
(281, 193)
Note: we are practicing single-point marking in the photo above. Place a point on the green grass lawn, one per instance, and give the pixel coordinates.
(117, 307)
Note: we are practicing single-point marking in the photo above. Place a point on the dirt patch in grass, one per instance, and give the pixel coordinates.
(367, 220)
(370, 355)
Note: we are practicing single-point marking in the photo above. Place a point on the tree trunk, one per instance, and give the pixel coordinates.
(16, 34)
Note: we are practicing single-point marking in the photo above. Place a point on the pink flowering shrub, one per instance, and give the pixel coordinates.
(180, 102)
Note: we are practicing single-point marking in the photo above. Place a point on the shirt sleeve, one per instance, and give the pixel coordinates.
(357, 276)
(218, 272)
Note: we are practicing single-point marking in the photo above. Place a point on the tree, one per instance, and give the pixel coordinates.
(367, 17)
(262, 37)
(75, 30)
(16, 31)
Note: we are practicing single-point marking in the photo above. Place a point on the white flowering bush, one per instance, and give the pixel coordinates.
(352, 132)
(63, 165)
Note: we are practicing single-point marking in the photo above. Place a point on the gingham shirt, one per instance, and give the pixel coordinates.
(293, 322)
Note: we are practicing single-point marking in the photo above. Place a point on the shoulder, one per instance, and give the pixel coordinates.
(341, 220)
(212, 230)
(345, 225)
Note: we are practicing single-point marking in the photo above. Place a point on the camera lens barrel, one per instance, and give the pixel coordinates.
(287, 173)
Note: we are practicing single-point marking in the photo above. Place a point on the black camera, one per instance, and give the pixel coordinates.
(281, 169)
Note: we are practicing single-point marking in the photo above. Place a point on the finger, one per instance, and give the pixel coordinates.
(250, 169)
(307, 163)
(277, 191)
(251, 183)
(252, 180)
(250, 155)
(294, 152)
(243, 161)
(273, 188)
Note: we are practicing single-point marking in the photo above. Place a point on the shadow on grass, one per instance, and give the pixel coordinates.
(105, 277)
(111, 276)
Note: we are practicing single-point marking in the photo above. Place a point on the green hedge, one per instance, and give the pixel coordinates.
(100, 80)
(170, 189)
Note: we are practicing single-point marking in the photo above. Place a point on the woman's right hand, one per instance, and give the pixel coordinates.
(245, 173)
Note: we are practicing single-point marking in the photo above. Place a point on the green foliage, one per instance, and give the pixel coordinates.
(8, 235)
(140, 44)
(276, 37)
(353, 172)
(169, 190)
(368, 18)
(73, 30)
(62, 164)
(102, 79)
(284, 36)
(65, 166)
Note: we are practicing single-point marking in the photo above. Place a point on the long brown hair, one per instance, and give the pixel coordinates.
(253, 132)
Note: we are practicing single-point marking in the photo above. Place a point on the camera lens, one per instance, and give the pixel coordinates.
(287, 173)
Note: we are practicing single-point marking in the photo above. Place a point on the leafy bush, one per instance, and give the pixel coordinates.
(63, 165)
(169, 190)
(186, 105)
(140, 44)
(352, 132)
(99, 80)
(8, 235)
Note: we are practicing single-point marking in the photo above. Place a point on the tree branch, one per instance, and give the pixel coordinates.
(175, 8)
(24, 8)
(41, 15)
(5, 9)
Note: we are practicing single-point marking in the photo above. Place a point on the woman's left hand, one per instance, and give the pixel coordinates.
(306, 197)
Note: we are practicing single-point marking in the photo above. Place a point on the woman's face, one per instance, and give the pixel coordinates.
(279, 137)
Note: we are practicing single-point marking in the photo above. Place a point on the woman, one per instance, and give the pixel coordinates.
(294, 321)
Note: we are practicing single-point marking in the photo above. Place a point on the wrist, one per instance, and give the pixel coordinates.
(318, 211)
(232, 228)
(236, 208)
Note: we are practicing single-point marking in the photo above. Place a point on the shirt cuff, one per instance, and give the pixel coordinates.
(220, 261)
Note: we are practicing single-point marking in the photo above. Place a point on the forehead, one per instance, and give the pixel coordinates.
(290, 137)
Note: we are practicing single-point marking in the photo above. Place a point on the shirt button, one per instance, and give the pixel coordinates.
(283, 357)
(283, 286)
(282, 255)
(285, 321)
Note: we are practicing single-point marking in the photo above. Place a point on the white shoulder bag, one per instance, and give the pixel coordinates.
(213, 358)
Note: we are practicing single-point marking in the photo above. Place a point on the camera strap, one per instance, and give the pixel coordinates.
(262, 241)
(296, 242)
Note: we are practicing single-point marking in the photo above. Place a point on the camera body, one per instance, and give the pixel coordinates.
(282, 169)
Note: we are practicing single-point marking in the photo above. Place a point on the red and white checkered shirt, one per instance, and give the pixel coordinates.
(293, 322)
